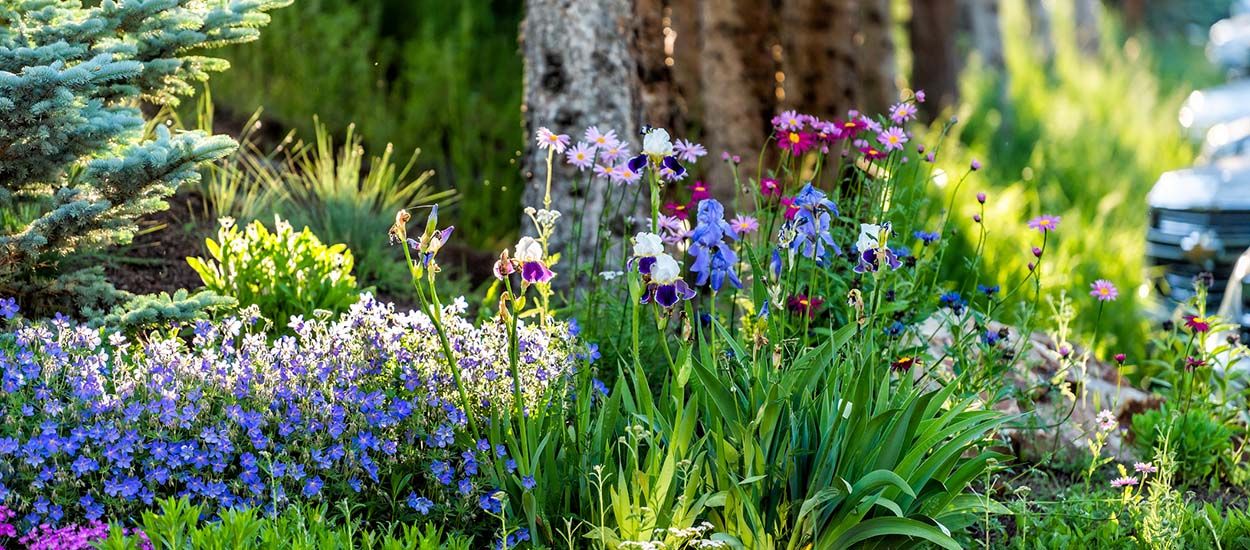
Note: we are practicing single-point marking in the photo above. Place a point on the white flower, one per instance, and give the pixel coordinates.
(657, 143)
(460, 305)
(870, 235)
(647, 244)
(665, 270)
(529, 250)
(610, 275)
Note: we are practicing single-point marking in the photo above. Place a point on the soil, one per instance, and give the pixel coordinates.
(156, 260)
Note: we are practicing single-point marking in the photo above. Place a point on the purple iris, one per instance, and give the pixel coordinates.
(714, 259)
(668, 295)
(638, 163)
(871, 259)
(811, 223)
(535, 272)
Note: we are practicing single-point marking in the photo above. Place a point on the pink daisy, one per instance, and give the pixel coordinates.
(687, 151)
(1044, 223)
(795, 141)
(1104, 290)
(581, 155)
(744, 225)
(892, 139)
(549, 140)
(602, 140)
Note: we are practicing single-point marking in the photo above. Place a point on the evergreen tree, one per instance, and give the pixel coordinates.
(79, 163)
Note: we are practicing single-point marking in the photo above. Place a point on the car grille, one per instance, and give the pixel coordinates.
(1227, 234)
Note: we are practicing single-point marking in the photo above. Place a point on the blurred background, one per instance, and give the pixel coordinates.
(1073, 106)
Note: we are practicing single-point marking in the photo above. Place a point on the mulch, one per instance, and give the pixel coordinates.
(156, 260)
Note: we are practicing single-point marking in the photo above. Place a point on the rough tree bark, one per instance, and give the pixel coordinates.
(580, 70)
(935, 59)
(879, 75)
(736, 79)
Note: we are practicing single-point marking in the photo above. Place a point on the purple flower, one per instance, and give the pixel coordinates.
(893, 139)
(687, 151)
(927, 237)
(601, 140)
(1104, 290)
(902, 112)
(528, 483)
(744, 225)
(8, 308)
(581, 155)
(1044, 223)
(549, 140)
(421, 504)
(714, 259)
(811, 223)
(665, 286)
(529, 253)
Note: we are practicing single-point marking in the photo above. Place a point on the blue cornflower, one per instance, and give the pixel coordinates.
(990, 337)
(927, 237)
(953, 301)
(988, 290)
(896, 328)
(810, 225)
(714, 260)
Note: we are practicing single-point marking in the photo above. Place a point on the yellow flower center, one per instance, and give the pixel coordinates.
(794, 137)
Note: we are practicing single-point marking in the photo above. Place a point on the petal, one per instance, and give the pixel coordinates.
(638, 163)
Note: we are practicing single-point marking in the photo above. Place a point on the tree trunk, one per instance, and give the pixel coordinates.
(580, 70)
(1085, 19)
(1039, 28)
(935, 61)
(979, 22)
(736, 73)
(879, 74)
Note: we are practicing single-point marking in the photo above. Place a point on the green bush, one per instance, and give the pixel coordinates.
(1200, 443)
(283, 273)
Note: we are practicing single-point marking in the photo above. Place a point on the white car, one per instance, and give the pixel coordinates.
(1205, 109)
(1199, 221)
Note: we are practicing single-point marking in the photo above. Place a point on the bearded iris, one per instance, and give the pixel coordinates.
(714, 260)
(529, 254)
(658, 152)
(666, 286)
(810, 223)
(647, 246)
(872, 250)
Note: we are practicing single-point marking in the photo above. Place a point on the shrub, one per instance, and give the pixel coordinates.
(1201, 443)
(283, 273)
(77, 162)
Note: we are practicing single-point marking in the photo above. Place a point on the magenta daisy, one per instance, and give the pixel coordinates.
(581, 155)
(893, 138)
(1044, 223)
(550, 140)
(744, 225)
(688, 151)
(796, 142)
(602, 140)
(1104, 290)
(1144, 468)
(872, 153)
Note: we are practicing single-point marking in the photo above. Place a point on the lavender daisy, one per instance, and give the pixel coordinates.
(1104, 290)
(892, 139)
(1044, 223)
(581, 155)
(550, 140)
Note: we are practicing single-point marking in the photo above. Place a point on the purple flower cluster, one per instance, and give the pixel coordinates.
(714, 259)
(74, 537)
(235, 417)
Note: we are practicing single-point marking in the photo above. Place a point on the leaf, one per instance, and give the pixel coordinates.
(893, 527)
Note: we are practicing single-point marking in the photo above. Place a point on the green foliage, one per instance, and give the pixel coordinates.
(177, 524)
(72, 140)
(160, 310)
(1061, 139)
(1202, 444)
(284, 273)
(329, 190)
(444, 76)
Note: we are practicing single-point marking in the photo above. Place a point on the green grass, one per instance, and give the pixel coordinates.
(1084, 138)
(444, 77)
